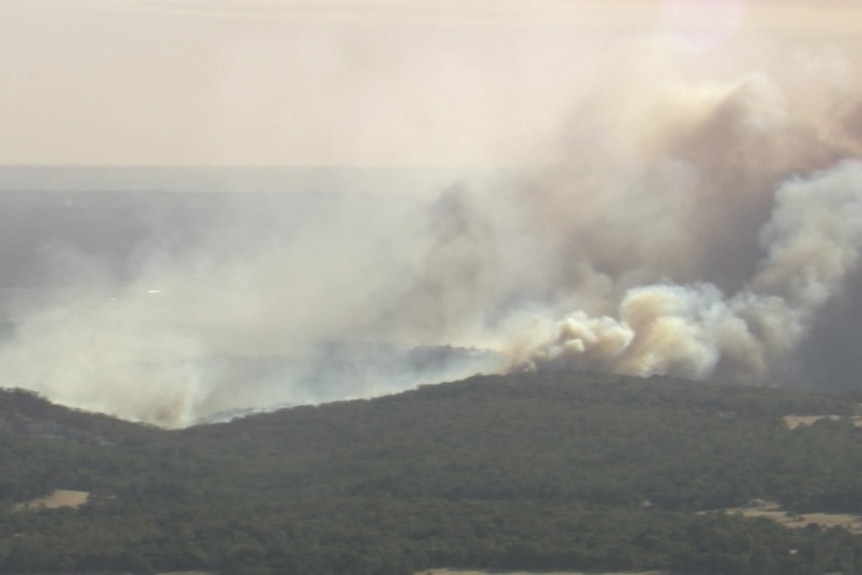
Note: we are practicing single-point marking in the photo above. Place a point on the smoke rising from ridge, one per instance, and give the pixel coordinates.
(812, 242)
(697, 215)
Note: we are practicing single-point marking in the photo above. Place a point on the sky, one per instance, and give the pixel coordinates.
(335, 83)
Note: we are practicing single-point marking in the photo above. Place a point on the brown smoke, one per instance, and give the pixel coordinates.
(699, 213)
(690, 227)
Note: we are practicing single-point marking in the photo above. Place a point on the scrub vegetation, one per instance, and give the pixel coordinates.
(549, 471)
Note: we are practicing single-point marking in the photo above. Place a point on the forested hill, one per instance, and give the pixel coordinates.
(533, 471)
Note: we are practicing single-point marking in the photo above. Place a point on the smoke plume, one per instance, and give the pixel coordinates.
(811, 245)
(697, 213)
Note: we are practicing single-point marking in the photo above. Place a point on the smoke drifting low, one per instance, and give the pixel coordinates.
(698, 215)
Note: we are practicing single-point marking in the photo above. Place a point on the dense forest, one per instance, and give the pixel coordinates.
(538, 472)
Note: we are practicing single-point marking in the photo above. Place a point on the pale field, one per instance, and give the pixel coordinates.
(794, 421)
(58, 498)
(442, 571)
(773, 512)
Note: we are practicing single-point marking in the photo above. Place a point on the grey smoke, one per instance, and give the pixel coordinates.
(683, 222)
(812, 243)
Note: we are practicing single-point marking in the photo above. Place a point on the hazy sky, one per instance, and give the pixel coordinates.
(332, 83)
(683, 192)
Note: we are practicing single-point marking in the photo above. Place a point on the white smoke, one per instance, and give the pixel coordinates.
(695, 216)
(812, 242)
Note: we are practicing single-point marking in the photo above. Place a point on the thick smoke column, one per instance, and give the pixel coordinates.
(693, 228)
(697, 214)
(812, 243)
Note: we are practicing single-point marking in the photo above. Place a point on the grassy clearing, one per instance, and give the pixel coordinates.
(794, 421)
(773, 512)
(460, 572)
(58, 498)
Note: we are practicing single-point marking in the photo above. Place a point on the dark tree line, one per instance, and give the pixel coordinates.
(530, 472)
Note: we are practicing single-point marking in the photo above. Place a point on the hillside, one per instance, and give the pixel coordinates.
(544, 471)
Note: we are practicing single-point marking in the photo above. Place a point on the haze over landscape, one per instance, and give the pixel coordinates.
(303, 202)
